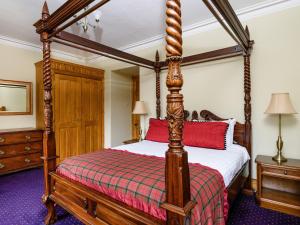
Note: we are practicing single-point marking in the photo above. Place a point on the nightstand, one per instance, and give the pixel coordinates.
(278, 186)
(131, 141)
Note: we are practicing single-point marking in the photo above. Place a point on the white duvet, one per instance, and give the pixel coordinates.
(228, 162)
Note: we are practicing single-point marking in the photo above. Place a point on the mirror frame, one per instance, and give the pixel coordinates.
(28, 86)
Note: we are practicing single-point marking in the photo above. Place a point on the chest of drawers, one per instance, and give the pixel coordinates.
(20, 149)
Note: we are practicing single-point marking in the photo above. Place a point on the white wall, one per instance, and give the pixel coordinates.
(121, 100)
(18, 64)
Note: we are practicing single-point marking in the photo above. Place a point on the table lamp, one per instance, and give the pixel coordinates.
(280, 104)
(140, 109)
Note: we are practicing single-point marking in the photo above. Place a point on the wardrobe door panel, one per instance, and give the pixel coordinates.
(68, 116)
(92, 112)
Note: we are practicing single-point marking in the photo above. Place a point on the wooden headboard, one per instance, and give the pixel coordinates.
(239, 130)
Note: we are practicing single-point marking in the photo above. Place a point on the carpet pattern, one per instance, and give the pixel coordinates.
(20, 204)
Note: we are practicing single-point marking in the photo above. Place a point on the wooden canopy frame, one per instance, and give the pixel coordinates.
(178, 200)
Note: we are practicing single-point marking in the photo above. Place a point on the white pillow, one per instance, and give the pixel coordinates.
(230, 131)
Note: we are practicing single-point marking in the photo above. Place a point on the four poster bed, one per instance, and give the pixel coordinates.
(185, 191)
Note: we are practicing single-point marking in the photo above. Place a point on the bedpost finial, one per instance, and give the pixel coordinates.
(247, 31)
(45, 11)
(157, 56)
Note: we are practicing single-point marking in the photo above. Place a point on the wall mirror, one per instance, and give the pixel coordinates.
(15, 98)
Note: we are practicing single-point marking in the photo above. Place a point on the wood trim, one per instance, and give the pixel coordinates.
(73, 69)
(248, 113)
(157, 69)
(71, 201)
(178, 196)
(49, 149)
(29, 95)
(219, 54)
(135, 119)
(77, 18)
(65, 36)
(61, 15)
(226, 11)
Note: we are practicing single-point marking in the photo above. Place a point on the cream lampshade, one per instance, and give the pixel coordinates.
(140, 109)
(280, 104)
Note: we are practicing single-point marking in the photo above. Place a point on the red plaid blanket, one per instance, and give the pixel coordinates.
(139, 181)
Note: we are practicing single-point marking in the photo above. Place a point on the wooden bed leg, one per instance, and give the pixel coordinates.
(49, 165)
(178, 198)
(51, 214)
(49, 151)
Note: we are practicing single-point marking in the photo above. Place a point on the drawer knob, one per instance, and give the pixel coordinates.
(285, 172)
(27, 137)
(2, 152)
(27, 148)
(2, 139)
(27, 160)
(2, 166)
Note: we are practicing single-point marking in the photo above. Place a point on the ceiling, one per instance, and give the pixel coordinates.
(123, 22)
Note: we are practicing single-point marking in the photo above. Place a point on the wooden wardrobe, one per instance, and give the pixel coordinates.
(78, 105)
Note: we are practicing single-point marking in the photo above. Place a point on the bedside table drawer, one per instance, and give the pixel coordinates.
(281, 172)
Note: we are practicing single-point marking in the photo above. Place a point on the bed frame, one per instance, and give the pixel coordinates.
(92, 207)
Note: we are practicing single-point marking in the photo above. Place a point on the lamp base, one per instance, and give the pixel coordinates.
(279, 157)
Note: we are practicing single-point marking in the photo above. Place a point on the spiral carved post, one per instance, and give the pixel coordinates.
(49, 152)
(157, 69)
(178, 204)
(247, 111)
(247, 108)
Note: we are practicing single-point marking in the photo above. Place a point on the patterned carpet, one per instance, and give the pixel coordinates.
(20, 204)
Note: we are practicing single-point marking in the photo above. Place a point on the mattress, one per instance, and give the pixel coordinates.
(228, 162)
(139, 181)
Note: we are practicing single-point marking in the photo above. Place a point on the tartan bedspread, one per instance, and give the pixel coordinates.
(139, 181)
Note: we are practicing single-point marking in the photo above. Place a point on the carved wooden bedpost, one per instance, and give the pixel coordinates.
(178, 204)
(247, 108)
(157, 69)
(49, 152)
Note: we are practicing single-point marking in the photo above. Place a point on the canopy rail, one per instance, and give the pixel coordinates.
(208, 56)
(223, 24)
(105, 50)
(77, 18)
(223, 11)
(61, 15)
(96, 52)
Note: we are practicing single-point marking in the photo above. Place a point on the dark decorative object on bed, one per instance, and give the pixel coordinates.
(92, 207)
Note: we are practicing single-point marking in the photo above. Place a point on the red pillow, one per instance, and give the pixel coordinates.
(205, 134)
(158, 131)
